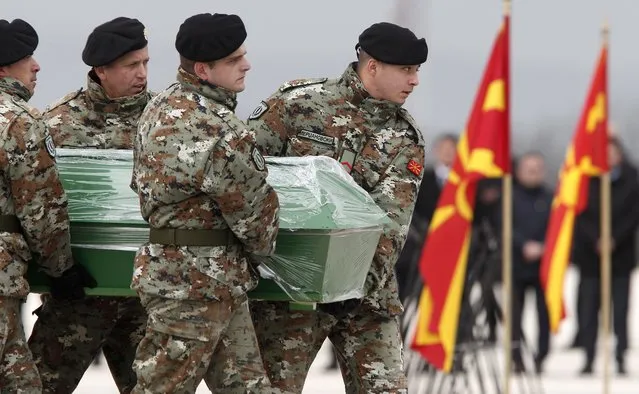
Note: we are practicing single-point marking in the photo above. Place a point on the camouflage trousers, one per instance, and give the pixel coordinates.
(368, 346)
(18, 373)
(188, 341)
(68, 335)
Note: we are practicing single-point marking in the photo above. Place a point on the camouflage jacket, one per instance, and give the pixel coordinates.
(31, 190)
(376, 141)
(90, 119)
(196, 167)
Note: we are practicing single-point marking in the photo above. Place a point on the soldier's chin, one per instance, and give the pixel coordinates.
(239, 87)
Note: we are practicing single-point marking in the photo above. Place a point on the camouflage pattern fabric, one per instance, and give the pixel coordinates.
(18, 373)
(68, 335)
(184, 337)
(30, 188)
(88, 118)
(379, 144)
(196, 167)
(366, 345)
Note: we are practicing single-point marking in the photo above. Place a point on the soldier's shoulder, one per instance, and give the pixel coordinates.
(150, 94)
(23, 110)
(414, 130)
(160, 100)
(64, 100)
(300, 83)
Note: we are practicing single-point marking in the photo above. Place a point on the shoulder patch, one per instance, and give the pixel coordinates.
(259, 111)
(415, 167)
(258, 159)
(297, 83)
(48, 142)
(70, 96)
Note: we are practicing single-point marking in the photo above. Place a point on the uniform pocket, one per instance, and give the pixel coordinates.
(200, 320)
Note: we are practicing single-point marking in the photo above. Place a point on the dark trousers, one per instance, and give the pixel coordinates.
(590, 291)
(520, 286)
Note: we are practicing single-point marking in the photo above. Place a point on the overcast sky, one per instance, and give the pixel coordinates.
(554, 48)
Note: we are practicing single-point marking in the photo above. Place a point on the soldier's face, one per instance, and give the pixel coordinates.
(126, 76)
(24, 70)
(395, 83)
(230, 72)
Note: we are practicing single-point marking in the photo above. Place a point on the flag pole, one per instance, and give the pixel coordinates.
(506, 251)
(605, 248)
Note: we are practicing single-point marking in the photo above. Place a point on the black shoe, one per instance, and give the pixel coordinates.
(539, 367)
(621, 368)
(587, 369)
(333, 365)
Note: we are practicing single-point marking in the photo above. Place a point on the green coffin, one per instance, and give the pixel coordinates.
(329, 227)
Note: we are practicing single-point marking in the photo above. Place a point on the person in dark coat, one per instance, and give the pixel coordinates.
(586, 254)
(431, 187)
(532, 202)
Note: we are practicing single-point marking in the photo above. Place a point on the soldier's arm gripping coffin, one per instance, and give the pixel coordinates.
(329, 227)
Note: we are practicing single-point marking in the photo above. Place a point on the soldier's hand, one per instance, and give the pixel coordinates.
(70, 285)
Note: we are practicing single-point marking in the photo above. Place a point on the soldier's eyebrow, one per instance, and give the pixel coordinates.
(239, 56)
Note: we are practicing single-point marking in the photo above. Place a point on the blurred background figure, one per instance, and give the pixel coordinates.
(586, 254)
(532, 202)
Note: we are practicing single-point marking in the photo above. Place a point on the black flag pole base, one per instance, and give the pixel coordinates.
(478, 360)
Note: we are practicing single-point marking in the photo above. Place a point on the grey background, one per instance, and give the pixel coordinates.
(555, 44)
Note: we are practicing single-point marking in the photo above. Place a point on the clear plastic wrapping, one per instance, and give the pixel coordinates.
(329, 230)
(329, 226)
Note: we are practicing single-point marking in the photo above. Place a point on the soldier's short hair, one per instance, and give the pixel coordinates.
(189, 65)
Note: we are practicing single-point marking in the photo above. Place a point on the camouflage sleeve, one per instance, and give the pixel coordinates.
(40, 201)
(396, 194)
(235, 178)
(134, 172)
(268, 123)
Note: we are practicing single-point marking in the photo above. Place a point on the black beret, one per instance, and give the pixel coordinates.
(113, 39)
(17, 41)
(393, 44)
(206, 37)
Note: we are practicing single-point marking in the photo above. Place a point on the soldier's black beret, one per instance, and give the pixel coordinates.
(17, 41)
(206, 37)
(393, 44)
(112, 40)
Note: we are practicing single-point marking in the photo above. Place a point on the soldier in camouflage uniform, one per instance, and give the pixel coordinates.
(358, 120)
(34, 222)
(68, 335)
(203, 190)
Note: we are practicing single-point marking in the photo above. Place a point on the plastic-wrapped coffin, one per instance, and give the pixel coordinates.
(329, 227)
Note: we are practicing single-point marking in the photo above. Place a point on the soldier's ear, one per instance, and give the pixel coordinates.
(201, 70)
(100, 72)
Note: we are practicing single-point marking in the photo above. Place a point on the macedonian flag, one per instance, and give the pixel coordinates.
(482, 152)
(586, 156)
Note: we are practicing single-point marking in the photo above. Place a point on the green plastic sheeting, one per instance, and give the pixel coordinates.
(329, 227)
